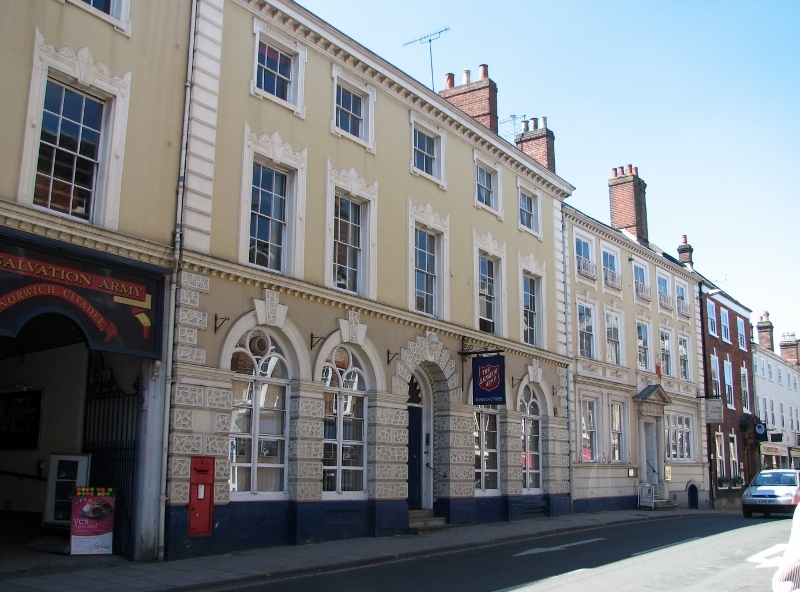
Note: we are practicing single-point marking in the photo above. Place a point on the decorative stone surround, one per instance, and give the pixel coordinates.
(387, 448)
(190, 318)
(306, 412)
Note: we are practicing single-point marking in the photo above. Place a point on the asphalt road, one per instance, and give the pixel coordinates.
(704, 553)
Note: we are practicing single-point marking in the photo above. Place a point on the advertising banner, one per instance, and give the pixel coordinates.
(92, 525)
(117, 307)
(489, 380)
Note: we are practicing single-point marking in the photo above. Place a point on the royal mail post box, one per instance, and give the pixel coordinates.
(201, 496)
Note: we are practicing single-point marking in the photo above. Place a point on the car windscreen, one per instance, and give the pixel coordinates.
(775, 479)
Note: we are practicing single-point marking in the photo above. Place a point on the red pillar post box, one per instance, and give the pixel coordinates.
(201, 496)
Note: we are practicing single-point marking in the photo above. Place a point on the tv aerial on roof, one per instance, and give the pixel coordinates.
(430, 38)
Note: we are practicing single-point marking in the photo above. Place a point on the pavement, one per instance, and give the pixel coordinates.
(252, 565)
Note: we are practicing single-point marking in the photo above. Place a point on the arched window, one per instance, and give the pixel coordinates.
(343, 446)
(485, 433)
(258, 432)
(528, 404)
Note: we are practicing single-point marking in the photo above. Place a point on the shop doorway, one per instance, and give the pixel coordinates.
(420, 446)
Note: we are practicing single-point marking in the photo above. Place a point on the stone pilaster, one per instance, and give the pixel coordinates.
(510, 452)
(306, 429)
(387, 447)
(454, 450)
(555, 456)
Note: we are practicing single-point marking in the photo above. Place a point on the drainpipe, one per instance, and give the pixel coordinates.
(709, 440)
(567, 309)
(177, 250)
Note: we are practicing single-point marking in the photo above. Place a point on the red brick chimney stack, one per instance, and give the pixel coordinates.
(685, 251)
(764, 328)
(789, 348)
(538, 142)
(626, 193)
(477, 99)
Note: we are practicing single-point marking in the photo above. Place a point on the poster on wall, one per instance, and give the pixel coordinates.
(65, 472)
(92, 524)
(20, 417)
(488, 380)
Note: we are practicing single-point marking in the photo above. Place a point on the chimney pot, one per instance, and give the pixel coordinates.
(636, 171)
(544, 122)
(765, 328)
(628, 203)
(683, 239)
(483, 72)
(534, 123)
(614, 172)
(466, 76)
(630, 169)
(685, 251)
(525, 125)
(449, 80)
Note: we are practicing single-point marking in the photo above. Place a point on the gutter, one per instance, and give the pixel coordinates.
(177, 253)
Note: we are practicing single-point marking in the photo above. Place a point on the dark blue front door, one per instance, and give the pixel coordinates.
(414, 458)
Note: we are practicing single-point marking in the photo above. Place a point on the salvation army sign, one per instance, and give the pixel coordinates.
(117, 306)
(488, 380)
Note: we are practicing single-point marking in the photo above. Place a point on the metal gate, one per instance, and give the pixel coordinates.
(109, 434)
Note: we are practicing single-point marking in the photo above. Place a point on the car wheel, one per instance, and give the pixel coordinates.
(747, 512)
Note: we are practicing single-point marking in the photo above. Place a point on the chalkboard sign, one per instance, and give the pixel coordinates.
(20, 418)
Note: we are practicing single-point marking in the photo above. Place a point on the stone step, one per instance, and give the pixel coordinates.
(665, 505)
(414, 515)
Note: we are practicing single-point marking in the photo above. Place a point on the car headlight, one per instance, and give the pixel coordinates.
(788, 495)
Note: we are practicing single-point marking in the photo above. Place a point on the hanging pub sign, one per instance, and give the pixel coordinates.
(761, 432)
(489, 380)
(117, 306)
(714, 411)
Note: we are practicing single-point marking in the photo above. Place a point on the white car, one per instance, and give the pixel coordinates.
(773, 490)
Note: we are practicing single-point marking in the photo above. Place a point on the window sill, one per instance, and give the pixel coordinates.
(491, 210)
(535, 233)
(343, 495)
(532, 491)
(61, 214)
(487, 493)
(258, 496)
(340, 133)
(299, 110)
(442, 183)
(120, 26)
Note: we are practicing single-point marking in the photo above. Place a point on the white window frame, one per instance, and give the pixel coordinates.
(439, 175)
(592, 434)
(725, 324)
(673, 431)
(486, 246)
(666, 370)
(727, 368)
(530, 267)
(496, 171)
(685, 288)
(648, 347)
(620, 336)
(688, 358)
(733, 458)
(769, 371)
(611, 431)
(615, 253)
(592, 259)
(272, 151)
(646, 268)
(423, 217)
(536, 195)
(719, 450)
(741, 333)
(368, 94)
(591, 334)
(299, 55)
(668, 293)
(763, 370)
(119, 19)
(716, 386)
(711, 317)
(479, 413)
(348, 184)
(79, 71)
(772, 412)
(524, 408)
(758, 407)
(783, 416)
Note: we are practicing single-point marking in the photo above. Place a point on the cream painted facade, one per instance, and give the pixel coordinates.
(130, 66)
(626, 429)
(226, 299)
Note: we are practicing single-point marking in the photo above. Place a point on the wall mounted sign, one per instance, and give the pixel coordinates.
(714, 411)
(92, 524)
(761, 432)
(118, 307)
(772, 450)
(20, 418)
(489, 380)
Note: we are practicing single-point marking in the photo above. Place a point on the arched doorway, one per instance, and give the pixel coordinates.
(420, 443)
(69, 416)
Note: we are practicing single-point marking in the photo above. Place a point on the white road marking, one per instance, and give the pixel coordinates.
(769, 557)
(663, 547)
(558, 548)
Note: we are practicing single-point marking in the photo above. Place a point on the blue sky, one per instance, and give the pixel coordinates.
(703, 97)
